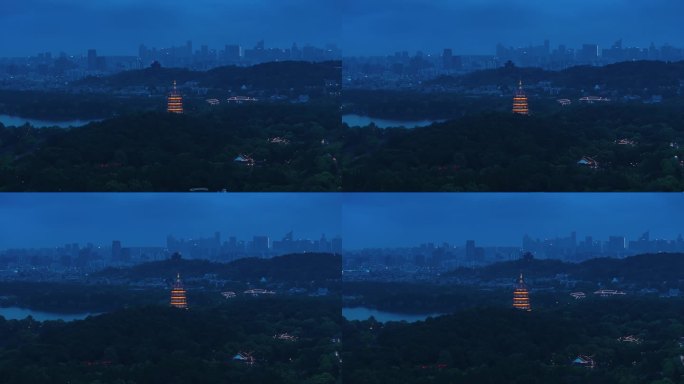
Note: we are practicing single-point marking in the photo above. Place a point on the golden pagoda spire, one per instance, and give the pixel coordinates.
(174, 100)
(520, 101)
(521, 296)
(178, 294)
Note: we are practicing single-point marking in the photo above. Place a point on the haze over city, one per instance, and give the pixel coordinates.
(117, 27)
(40, 220)
(406, 220)
(383, 27)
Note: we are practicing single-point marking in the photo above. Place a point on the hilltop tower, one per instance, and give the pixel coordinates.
(521, 296)
(178, 297)
(174, 100)
(520, 101)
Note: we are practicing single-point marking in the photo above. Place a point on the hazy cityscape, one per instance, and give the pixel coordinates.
(94, 62)
(430, 260)
(403, 68)
(47, 70)
(75, 258)
(332, 192)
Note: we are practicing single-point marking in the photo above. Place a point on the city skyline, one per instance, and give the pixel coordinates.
(496, 219)
(579, 237)
(29, 220)
(114, 26)
(225, 238)
(183, 48)
(382, 27)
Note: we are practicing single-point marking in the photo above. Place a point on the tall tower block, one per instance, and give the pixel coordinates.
(520, 101)
(178, 297)
(521, 296)
(174, 100)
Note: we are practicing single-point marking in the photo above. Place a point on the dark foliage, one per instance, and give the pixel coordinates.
(505, 152)
(77, 298)
(167, 345)
(163, 152)
(421, 298)
(67, 106)
(509, 346)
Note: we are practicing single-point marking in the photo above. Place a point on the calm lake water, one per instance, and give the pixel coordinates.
(16, 313)
(17, 121)
(363, 313)
(362, 121)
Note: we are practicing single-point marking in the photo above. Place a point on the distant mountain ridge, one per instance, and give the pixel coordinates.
(284, 75)
(630, 75)
(291, 267)
(656, 267)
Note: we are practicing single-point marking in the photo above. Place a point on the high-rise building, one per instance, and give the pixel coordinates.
(233, 52)
(336, 244)
(520, 101)
(92, 59)
(473, 253)
(178, 294)
(615, 246)
(323, 244)
(588, 53)
(260, 244)
(116, 250)
(447, 58)
(174, 100)
(521, 296)
(470, 249)
(188, 49)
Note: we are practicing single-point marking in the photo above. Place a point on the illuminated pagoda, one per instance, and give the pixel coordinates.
(520, 101)
(174, 100)
(178, 297)
(521, 296)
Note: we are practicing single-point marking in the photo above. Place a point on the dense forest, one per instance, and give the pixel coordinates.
(423, 298)
(550, 280)
(168, 345)
(442, 297)
(279, 146)
(145, 90)
(502, 345)
(499, 151)
(149, 283)
(139, 339)
(630, 143)
(285, 147)
(411, 105)
(448, 97)
(80, 298)
(71, 106)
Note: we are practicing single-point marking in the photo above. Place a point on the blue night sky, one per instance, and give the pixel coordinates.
(119, 26)
(476, 26)
(50, 219)
(397, 220)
